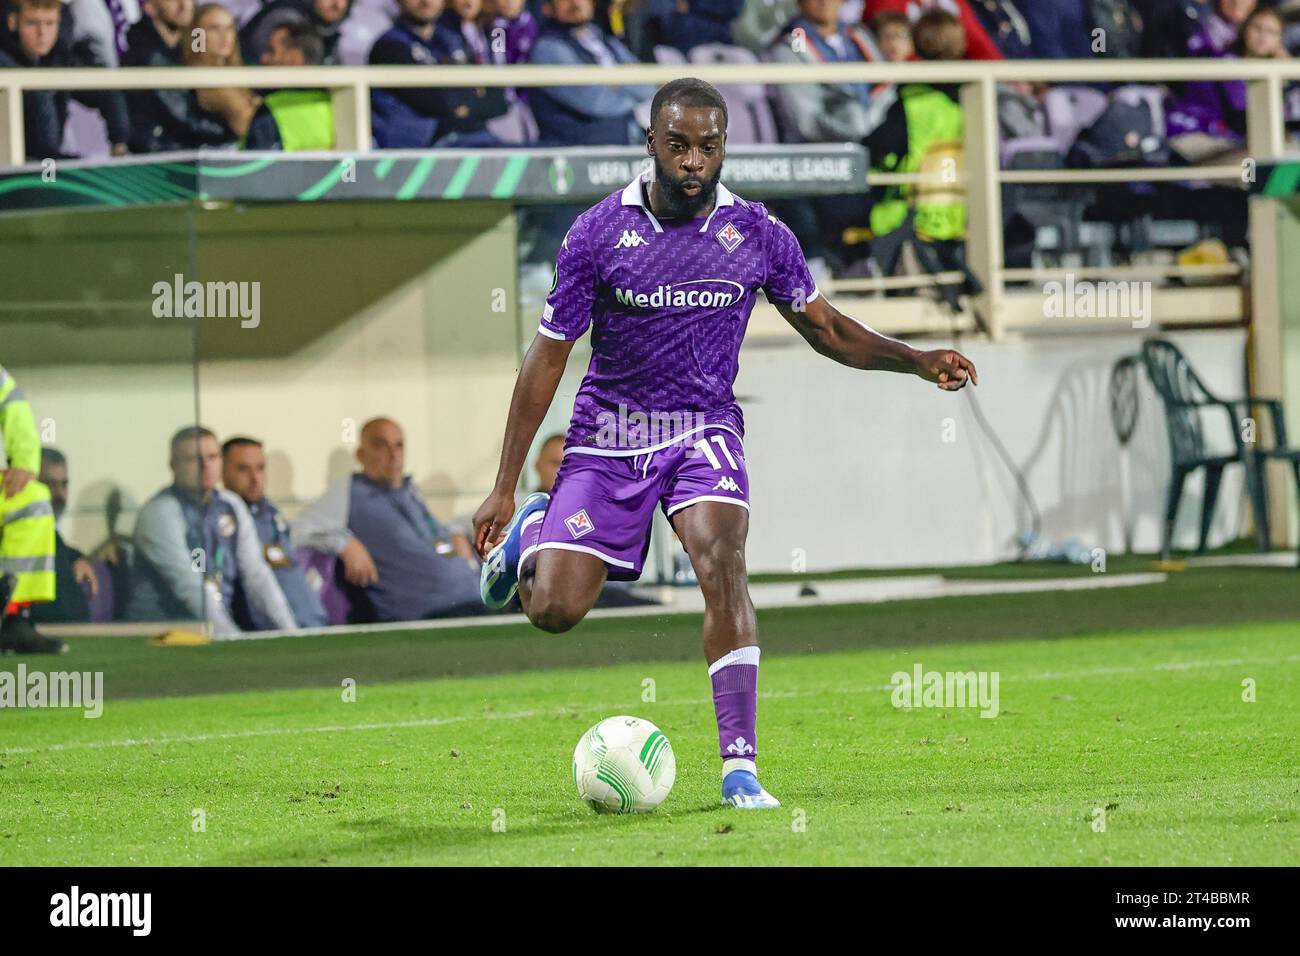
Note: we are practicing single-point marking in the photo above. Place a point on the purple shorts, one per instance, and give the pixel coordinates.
(603, 504)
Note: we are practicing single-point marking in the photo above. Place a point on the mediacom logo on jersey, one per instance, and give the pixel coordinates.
(715, 294)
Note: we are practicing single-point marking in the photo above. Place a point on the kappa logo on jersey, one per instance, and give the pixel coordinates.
(630, 240)
(727, 484)
(730, 237)
(579, 524)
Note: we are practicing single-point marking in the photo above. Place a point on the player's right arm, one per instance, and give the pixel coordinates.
(534, 390)
(564, 320)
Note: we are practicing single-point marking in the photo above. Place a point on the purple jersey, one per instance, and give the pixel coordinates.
(668, 304)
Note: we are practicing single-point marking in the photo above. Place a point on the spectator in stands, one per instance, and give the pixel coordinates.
(1059, 29)
(922, 133)
(1169, 25)
(690, 23)
(74, 575)
(893, 35)
(585, 115)
(243, 471)
(413, 118)
(410, 565)
(462, 34)
(518, 29)
(826, 113)
(1218, 31)
(326, 16)
(979, 45)
(197, 554)
(214, 41)
(93, 32)
(1207, 118)
(1006, 26)
(32, 41)
(164, 120)
(761, 22)
(293, 119)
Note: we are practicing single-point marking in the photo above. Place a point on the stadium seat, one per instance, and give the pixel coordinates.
(365, 25)
(85, 134)
(669, 55)
(1071, 109)
(750, 118)
(1135, 95)
(1184, 396)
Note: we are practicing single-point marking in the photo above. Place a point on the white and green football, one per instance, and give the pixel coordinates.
(624, 765)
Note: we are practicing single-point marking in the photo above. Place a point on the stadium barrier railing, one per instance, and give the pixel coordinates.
(350, 88)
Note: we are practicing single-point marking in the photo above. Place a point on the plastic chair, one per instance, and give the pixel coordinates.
(1184, 396)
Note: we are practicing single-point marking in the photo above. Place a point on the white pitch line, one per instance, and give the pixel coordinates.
(561, 711)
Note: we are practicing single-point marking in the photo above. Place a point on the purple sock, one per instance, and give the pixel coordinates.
(529, 534)
(735, 700)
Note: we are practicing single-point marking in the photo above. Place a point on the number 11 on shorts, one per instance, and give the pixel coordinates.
(707, 452)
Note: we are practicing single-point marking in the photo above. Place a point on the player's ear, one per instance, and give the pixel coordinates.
(650, 140)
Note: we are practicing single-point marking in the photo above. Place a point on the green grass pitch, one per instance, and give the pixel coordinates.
(457, 748)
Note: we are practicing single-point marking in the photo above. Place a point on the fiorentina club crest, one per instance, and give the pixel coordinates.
(730, 237)
(579, 524)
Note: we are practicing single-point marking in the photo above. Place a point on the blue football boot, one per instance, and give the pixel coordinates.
(499, 578)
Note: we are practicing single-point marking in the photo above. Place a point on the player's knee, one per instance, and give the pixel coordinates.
(552, 616)
(718, 562)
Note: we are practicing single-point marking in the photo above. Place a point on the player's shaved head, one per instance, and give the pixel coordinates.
(687, 139)
(688, 92)
(382, 452)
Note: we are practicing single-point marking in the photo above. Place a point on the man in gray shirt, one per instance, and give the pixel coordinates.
(410, 565)
(197, 553)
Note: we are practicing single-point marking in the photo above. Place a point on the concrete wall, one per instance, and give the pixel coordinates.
(393, 308)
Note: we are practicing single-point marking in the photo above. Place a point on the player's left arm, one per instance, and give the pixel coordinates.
(849, 342)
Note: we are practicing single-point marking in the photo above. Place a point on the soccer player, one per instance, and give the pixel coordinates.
(664, 272)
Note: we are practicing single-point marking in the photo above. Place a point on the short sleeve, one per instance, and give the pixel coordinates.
(573, 291)
(788, 278)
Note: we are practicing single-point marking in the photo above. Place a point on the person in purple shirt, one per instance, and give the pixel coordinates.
(1217, 108)
(665, 273)
(1218, 31)
(513, 31)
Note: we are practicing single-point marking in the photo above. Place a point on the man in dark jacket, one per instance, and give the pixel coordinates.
(327, 16)
(412, 118)
(166, 119)
(585, 115)
(32, 41)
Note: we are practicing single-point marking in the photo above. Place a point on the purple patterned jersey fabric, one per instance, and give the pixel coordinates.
(668, 303)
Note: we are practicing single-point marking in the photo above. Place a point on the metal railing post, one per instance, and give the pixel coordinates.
(13, 150)
(351, 117)
(1264, 141)
(984, 198)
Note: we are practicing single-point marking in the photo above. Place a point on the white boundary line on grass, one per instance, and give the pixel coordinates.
(562, 711)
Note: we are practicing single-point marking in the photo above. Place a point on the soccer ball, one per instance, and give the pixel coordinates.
(624, 765)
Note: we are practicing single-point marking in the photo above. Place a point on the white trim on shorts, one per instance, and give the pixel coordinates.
(690, 501)
(634, 452)
(565, 546)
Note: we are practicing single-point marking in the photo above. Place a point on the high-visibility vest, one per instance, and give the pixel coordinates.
(305, 119)
(935, 131)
